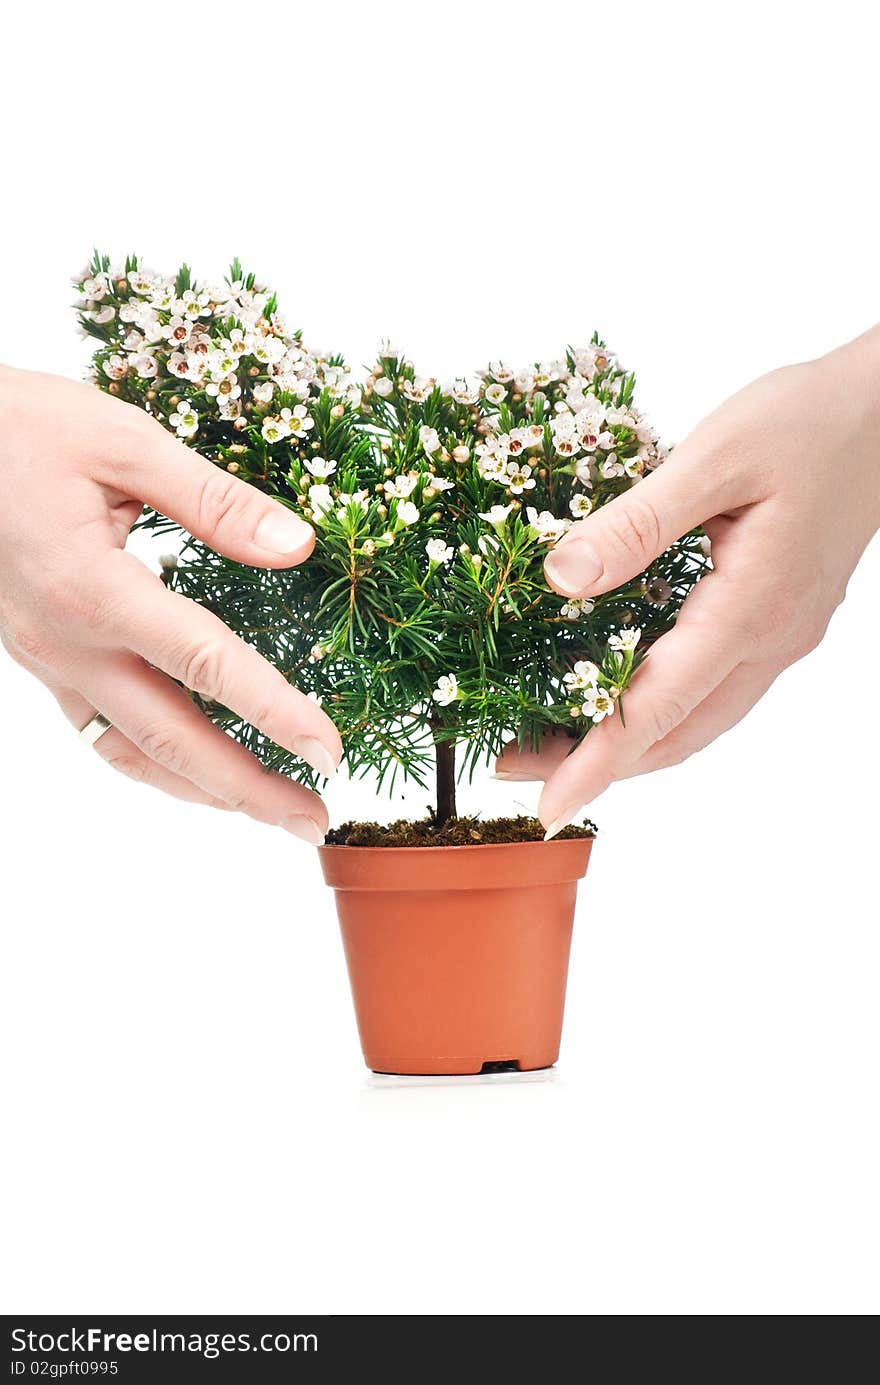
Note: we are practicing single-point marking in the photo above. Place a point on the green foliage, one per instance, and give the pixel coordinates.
(403, 646)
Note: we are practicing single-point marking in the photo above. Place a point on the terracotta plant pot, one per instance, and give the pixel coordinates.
(457, 956)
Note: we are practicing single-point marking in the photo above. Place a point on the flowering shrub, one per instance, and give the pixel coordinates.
(422, 621)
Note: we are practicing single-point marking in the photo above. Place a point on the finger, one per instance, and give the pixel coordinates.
(227, 514)
(524, 764)
(158, 717)
(720, 711)
(620, 539)
(124, 756)
(194, 646)
(683, 668)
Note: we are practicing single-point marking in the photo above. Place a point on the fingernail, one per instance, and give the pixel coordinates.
(564, 820)
(513, 776)
(281, 532)
(573, 565)
(305, 828)
(316, 754)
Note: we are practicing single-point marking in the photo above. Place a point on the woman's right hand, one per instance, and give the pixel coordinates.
(106, 635)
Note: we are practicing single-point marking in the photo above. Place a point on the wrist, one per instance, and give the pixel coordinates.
(851, 387)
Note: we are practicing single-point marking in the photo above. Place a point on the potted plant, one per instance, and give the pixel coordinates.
(422, 623)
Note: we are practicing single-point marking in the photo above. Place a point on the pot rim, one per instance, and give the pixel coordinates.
(481, 846)
(491, 865)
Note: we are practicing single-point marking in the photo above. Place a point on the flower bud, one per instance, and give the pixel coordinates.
(658, 591)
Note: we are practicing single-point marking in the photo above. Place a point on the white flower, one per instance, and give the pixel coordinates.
(146, 366)
(417, 390)
(298, 419)
(501, 372)
(178, 331)
(401, 486)
(625, 642)
(496, 515)
(584, 675)
(407, 512)
(226, 389)
(346, 498)
(101, 315)
(185, 421)
(492, 459)
(576, 607)
(320, 466)
(388, 351)
(580, 506)
(565, 441)
(461, 453)
(275, 429)
(463, 393)
(318, 652)
(439, 483)
(439, 551)
(220, 363)
(321, 499)
(496, 394)
(446, 690)
(611, 466)
(546, 525)
(429, 438)
(583, 472)
(94, 288)
(162, 294)
(384, 387)
(518, 478)
(269, 350)
(524, 380)
(598, 704)
(115, 367)
(263, 392)
(180, 365)
(140, 282)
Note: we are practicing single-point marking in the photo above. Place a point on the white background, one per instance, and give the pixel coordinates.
(188, 1124)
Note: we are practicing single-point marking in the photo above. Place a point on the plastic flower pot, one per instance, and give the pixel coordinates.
(457, 956)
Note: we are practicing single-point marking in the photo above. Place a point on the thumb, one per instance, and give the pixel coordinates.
(621, 539)
(229, 515)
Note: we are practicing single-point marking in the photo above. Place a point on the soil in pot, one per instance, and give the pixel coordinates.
(471, 831)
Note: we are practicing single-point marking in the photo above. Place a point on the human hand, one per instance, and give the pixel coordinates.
(104, 633)
(785, 478)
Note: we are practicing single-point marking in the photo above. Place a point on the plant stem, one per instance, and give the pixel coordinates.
(445, 755)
